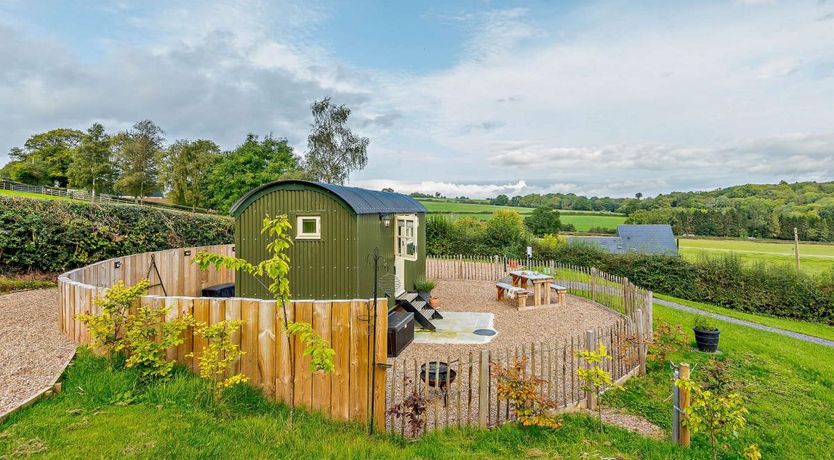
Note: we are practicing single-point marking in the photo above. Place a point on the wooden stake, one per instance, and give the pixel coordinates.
(684, 395)
(796, 246)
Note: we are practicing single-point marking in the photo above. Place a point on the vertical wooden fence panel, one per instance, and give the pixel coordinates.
(266, 345)
(340, 341)
(249, 340)
(359, 360)
(303, 375)
(322, 380)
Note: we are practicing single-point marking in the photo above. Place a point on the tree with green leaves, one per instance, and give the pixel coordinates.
(92, 165)
(276, 269)
(184, 169)
(138, 159)
(44, 158)
(333, 151)
(253, 163)
(543, 221)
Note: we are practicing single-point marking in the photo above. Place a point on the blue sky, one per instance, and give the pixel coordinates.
(468, 98)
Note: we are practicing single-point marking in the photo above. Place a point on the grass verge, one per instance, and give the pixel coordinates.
(788, 386)
(104, 414)
(14, 284)
(820, 330)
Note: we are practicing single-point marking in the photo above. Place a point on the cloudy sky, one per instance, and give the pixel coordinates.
(466, 98)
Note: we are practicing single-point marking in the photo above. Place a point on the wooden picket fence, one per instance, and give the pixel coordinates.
(345, 394)
(471, 397)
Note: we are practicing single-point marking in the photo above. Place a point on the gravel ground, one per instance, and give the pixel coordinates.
(554, 323)
(32, 350)
(550, 325)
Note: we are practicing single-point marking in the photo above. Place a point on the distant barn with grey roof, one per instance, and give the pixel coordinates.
(645, 239)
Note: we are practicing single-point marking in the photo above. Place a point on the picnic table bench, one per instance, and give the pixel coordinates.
(513, 292)
(536, 282)
(560, 293)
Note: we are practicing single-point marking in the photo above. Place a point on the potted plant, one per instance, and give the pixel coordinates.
(706, 334)
(424, 287)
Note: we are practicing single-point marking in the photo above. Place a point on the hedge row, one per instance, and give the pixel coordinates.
(725, 281)
(56, 236)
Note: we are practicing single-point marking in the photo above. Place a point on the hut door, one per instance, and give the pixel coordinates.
(399, 273)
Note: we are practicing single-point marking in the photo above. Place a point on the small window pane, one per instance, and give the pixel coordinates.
(309, 226)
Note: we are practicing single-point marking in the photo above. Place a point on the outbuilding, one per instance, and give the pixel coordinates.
(336, 230)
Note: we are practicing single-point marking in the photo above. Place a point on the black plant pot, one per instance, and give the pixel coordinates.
(425, 295)
(707, 340)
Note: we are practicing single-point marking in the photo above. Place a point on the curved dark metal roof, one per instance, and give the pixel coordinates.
(362, 201)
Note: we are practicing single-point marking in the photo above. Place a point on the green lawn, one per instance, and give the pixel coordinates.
(15, 284)
(98, 416)
(788, 386)
(38, 196)
(814, 258)
(803, 327)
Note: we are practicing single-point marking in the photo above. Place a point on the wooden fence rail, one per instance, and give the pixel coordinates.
(344, 394)
(471, 397)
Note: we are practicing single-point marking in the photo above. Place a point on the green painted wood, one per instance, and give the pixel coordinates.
(340, 264)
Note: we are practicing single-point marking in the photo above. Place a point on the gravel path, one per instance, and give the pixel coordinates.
(33, 352)
(761, 327)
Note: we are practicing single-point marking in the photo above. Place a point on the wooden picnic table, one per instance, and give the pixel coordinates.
(536, 283)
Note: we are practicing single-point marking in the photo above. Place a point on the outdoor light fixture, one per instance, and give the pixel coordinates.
(386, 219)
(188, 252)
(117, 264)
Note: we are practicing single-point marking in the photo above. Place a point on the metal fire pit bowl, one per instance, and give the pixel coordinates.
(439, 376)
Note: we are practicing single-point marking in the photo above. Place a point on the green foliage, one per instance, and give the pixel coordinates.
(184, 168)
(108, 327)
(543, 221)
(333, 151)
(719, 417)
(44, 158)
(423, 284)
(595, 378)
(92, 166)
(668, 339)
(522, 390)
(137, 158)
(318, 349)
(251, 164)
(147, 337)
(276, 269)
(216, 359)
(24, 284)
(504, 234)
(55, 236)
(411, 408)
(704, 323)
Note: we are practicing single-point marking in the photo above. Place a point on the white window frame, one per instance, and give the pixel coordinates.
(414, 238)
(299, 228)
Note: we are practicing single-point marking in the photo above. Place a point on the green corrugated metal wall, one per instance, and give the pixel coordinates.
(340, 264)
(319, 269)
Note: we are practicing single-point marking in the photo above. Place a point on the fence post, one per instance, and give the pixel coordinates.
(641, 347)
(590, 345)
(626, 303)
(594, 284)
(483, 390)
(683, 431)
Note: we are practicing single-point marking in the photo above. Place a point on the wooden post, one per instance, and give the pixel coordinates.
(593, 284)
(483, 390)
(590, 345)
(796, 246)
(641, 347)
(684, 401)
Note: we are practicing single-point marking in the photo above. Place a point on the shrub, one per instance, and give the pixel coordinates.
(704, 324)
(107, 327)
(667, 340)
(411, 409)
(55, 236)
(148, 335)
(422, 284)
(595, 378)
(720, 417)
(219, 355)
(521, 390)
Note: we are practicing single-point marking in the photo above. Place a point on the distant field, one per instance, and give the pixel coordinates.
(582, 220)
(34, 195)
(814, 258)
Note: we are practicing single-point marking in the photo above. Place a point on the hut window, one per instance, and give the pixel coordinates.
(308, 228)
(407, 237)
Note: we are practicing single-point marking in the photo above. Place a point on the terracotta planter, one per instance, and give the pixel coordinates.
(434, 302)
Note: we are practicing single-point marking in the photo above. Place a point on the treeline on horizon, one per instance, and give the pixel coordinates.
(741, 211)
(190, 172)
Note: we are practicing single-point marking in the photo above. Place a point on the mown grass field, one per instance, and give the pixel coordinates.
(788, 386)
(814, 258)
(38, 196)
(582, 220)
